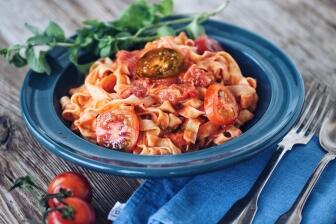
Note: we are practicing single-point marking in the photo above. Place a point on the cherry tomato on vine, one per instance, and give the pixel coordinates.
(72, 182)
(73, 211)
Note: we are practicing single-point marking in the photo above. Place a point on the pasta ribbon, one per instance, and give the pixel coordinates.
(168, 116)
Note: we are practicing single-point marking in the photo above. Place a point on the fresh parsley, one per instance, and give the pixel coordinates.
(139, 22)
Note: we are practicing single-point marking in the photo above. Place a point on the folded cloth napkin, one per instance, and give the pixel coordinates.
(206, 198)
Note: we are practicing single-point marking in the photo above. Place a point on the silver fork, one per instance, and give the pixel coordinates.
(317, 100)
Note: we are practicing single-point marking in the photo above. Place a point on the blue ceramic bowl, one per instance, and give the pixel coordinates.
(280, 88)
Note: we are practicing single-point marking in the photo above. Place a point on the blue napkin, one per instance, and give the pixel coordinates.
(205, 198)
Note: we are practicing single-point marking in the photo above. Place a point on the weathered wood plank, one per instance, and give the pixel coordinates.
(305, 29)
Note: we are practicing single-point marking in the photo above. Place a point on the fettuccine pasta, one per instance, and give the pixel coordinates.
(201, 98)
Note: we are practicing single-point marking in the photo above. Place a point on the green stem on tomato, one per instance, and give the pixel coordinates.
(67, 212)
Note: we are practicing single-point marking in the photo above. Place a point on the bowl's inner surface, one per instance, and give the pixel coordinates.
(72, 78)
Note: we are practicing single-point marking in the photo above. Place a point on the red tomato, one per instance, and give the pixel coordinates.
(138, 87)
(166, 81)
(118, 129)
(108, 83)
(198, 77)
(176, 93)
(83, 213)
(220, 105)
(177, 139)
(74, 182)
(204, 43)
(129, 59)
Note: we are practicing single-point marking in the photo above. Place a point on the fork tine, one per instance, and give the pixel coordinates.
(312, 86)
(310, 97)
(314, 112)
(319, 119)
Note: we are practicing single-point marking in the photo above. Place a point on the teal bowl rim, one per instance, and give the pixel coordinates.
(120, 163)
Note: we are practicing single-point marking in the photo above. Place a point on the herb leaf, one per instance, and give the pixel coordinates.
(18, 60)
(195, 29)
(54, 30)
(165, 7)
(165, 31)
(140, 22)
(37, 63)
(135, 16)
(39, 39)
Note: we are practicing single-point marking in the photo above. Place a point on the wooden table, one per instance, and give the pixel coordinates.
(305, 29)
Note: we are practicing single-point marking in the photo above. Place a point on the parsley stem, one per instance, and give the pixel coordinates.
(64, 44)
(166, 23)
(202, 17)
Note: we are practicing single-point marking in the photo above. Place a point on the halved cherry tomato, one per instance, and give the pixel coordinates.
(220, 105)
(159, 63)
(204, 43)
(78, 212)
(118, 129)
(77, 184)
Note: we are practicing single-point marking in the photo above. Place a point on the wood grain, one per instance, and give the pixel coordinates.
(304, 29)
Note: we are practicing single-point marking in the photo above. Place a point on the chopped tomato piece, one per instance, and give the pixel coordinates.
(138, 88)
(198, 77)
(166, 81)
(220, 105)
(108, 83)
(118, 129)
(129, 58)
(177, 139)
(175, 93)
(205, 43)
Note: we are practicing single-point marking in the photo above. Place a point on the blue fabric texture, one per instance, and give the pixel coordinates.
(205, 198)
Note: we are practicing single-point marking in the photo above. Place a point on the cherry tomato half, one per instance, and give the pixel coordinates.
(220, 105)
(159, 63)
(205, 43)
(83, 213)
(118, 129)
(70, 181)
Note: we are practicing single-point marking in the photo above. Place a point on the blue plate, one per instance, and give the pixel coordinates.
(280, 88)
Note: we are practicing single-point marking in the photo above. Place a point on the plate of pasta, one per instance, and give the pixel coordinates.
(174, 106)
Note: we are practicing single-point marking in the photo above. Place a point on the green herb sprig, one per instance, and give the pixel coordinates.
(140, 22)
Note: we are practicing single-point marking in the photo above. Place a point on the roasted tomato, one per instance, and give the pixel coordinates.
(204, 43)
(220, 105)
(159, 63)
(118, 129)
(76, 184)
(73, 211)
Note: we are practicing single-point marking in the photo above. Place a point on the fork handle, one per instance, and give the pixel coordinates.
(244, 210)
(294, 214)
